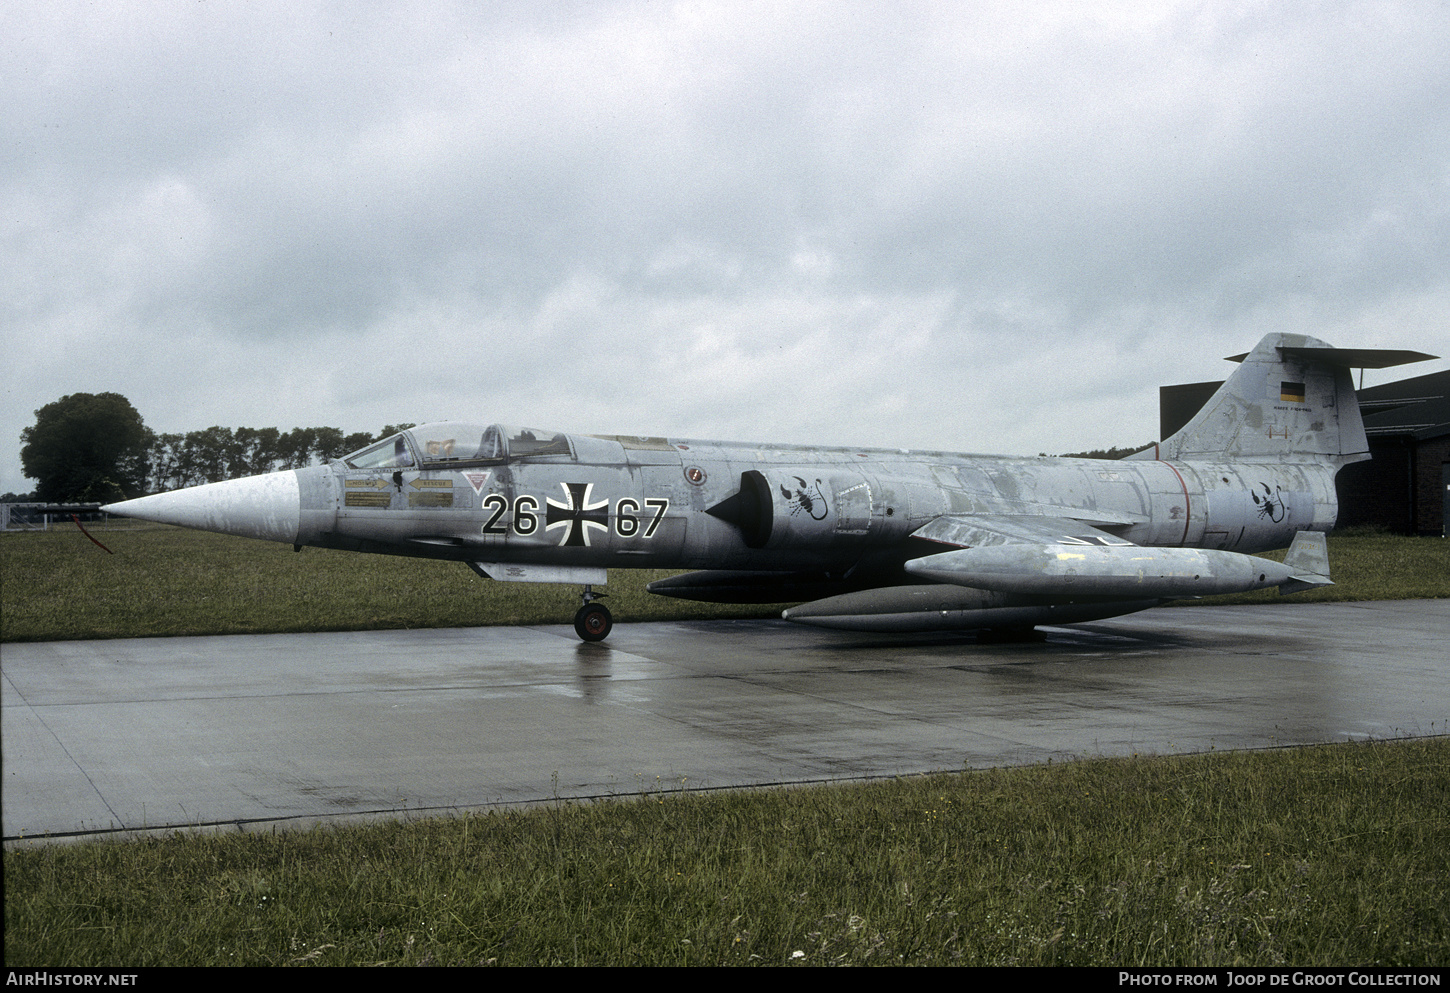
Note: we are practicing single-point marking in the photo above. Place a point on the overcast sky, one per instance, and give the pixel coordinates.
(992, 227)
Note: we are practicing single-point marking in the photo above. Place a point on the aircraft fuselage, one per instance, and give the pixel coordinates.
(612, 504)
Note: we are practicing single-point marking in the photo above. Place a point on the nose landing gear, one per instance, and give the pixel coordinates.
(593, 622)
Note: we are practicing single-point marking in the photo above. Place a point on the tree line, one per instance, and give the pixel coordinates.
(87, 448)
(216, 453)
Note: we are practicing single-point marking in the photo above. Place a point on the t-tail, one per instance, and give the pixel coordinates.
(1291, 400)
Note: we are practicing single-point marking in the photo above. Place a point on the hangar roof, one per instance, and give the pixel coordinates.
(1418, 407)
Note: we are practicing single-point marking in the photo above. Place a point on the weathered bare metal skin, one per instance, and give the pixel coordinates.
(267, 507)
(1255, 420)
(1006, 541)
(1095, 570)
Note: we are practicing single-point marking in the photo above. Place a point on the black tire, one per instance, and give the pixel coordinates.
(593, 622)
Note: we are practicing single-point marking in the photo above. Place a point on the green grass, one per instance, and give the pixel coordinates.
(1367, 564)
(1314, 856)
(56, 585)
(1317, 856)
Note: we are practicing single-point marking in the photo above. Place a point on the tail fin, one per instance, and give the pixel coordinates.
(1292, 400)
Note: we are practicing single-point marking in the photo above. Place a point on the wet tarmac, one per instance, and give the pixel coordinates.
(140, 734)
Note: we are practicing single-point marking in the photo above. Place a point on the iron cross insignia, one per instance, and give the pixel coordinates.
(578, 515)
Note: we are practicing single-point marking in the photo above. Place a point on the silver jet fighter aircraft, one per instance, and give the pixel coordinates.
(869, 539)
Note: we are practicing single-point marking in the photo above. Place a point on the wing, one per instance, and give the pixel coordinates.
(1033, 554)
(978, 530)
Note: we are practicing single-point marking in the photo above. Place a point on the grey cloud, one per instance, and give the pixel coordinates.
(815, 222)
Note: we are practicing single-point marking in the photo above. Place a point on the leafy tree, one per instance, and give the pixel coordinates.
(173, 461)
(294, 448)
(356, 440)
(164, 456)
(86, 446)
(329, 443)
(212, 453)
(258, 450)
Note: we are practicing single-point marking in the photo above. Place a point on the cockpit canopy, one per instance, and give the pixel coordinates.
(448, 444)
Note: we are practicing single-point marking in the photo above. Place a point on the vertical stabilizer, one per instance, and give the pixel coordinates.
(1291, 400)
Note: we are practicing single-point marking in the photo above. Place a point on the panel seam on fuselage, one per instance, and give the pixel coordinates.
(1187, 502)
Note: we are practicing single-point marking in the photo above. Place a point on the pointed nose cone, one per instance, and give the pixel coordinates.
(267, 507)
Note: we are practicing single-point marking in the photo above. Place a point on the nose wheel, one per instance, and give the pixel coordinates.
(593, 622)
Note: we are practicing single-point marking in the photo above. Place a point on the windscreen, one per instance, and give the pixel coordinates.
(390, 453)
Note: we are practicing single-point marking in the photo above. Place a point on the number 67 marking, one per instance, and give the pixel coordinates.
(626, 519)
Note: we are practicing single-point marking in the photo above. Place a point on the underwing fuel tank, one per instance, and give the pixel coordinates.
(1112, 570)
(938, 607)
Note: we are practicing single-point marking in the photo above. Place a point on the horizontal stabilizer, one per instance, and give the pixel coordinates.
(1350, 358)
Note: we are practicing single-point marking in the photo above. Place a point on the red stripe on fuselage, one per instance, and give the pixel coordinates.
(1187, 504)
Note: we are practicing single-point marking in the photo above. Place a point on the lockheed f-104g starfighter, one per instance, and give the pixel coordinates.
(863, 539)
